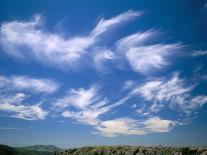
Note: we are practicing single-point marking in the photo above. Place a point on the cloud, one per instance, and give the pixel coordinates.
(17, 98)
(45, 47)
(27, 83)
(105, 25)
(155, 124)
(15, 91)
(29, 39)
(142, 56)
(89, 105)
(174, 92)
(14, 105)
(128, 84)
(9, 128)
(80, 98)
(124, 126)
(199, 53)
(135, 39)
(128, 126)
(101, 57)
(89, 116)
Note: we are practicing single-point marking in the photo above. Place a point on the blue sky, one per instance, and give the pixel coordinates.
(76, 73)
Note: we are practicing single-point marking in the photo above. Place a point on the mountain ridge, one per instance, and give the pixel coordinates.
(102, 150)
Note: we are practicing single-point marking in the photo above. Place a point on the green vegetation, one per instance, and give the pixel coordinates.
(6, 150)
(30, 150)
(102, 150)
(134, 150)
(40, 148)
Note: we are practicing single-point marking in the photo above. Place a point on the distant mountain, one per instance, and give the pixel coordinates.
(30, 150)
(43, 148)
(7, 150)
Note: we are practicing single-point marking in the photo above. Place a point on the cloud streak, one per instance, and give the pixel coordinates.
(15, 91)
(27, 83)
(19, 37)
(142, 56)
(15, 104)
(104, 25)
(88, 103)
(90, 106)
(174, 92)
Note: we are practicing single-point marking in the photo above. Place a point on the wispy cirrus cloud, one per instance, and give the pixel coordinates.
(9, 128)
(36, 85)
(50, 48)
(88, 103)
(142, 56)
(101, 57)
(80, 98)
(16, 91)
(44, 46)
(141, 51)
(199, 53)
(90, 106)
(15, 105)
(104, 25)
(175, 92)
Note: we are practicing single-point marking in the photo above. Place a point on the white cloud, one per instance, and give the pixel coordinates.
(88, 116)
(198, 101)
(134, 40)
(80, 98)
(18, 98)
(28, 83)
(155, 124)
(104, 25)
(14, 105)
(142, 56)
(128, 84)
(199, 53)
(29, 39)
(174, 92)
(45, 47)
(89, 105)
(124, 126)
(128, 126)
(101, 56)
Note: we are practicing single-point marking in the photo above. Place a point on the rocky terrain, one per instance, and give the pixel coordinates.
(102, 150)
(134, 150)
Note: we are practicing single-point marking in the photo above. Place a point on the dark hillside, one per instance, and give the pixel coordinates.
(6, 150)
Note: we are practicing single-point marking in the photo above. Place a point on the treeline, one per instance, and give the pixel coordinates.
(134, 150)
(7, 150)
(103, 150)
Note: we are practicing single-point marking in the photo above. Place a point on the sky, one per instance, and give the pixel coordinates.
(78, 73)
